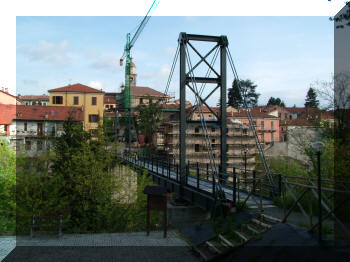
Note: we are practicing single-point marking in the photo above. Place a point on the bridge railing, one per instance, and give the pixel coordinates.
(238, 180)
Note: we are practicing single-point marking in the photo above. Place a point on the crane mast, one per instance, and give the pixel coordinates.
(127, 88)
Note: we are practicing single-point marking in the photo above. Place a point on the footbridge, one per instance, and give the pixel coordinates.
(251, 189)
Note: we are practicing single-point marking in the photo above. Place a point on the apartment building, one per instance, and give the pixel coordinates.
(32, 128)
(91, 101)
(239, 140)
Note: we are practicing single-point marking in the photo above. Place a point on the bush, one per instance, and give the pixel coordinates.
(81, 185)
(7, 189)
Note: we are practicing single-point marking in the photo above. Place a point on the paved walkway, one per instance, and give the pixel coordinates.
(95, 247)
(7, 244)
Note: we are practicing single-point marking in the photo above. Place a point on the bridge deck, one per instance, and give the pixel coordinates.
(194, 186)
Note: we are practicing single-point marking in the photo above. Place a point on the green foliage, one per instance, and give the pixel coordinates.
(240, 206)
(311, 98)
(240, 89)
(327, 160)
(275, 102)
(108, 128)
(285, 166)
(82, 181)
(7, 188)
(148, 118)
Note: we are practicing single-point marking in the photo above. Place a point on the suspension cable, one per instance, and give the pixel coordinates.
(257, 141)
(172, 70)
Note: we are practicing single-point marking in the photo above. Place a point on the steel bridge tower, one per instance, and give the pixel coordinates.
(188, 79)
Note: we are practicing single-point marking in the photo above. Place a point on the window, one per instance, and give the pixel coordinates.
(93, 118)
(272, 137)
(254, 123)
(39, 145)
(57, 100)
(272, 124)
(196, 130)
(28, 145)
(212, 129)
(262, 124)
(141, 100)
(213, 140)
(93, 100)
(25, 127)
(196, 147)
(76, 100)
(245, 131)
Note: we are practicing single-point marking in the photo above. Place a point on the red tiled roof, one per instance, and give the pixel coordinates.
(8, 112)
(109, 100)
(297, 122)
(48, 113)
(79, 88)
(34, 97)
(296, 109)
(145, 91)
(170, 106)
(254, 114)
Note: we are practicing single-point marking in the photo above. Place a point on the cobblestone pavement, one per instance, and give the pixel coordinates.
(134, 246)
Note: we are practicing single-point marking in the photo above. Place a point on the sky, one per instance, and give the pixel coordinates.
(283, 56)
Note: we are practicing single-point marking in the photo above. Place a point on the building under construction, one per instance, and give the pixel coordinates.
(241, 147)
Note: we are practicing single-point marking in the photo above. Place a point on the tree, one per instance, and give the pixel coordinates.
(84, 186)
(241, 89)
(7, 188)
(148, 117)
(311, 99)
(275, 102)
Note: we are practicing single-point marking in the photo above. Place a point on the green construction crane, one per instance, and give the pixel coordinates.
(127, 56)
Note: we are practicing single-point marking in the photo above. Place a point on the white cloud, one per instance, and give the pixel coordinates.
(56, 54)
(96, 84)
(106, 62)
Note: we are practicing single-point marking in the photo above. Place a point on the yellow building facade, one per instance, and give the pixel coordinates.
(91, 100)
